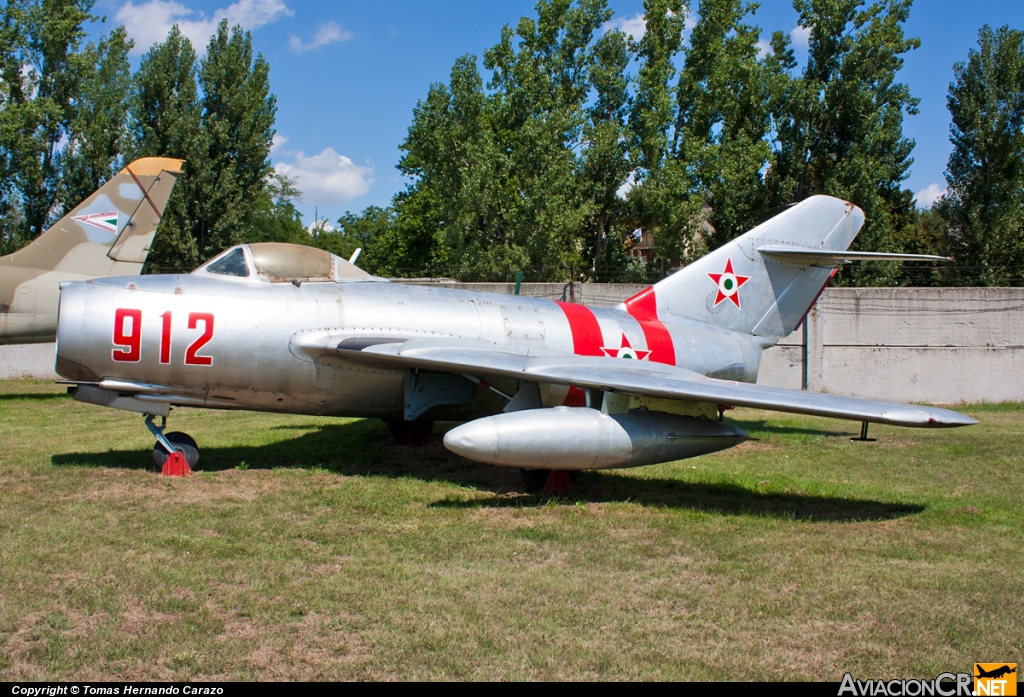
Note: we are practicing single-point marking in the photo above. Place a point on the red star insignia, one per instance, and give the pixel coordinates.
(626, 351)
(728, 283)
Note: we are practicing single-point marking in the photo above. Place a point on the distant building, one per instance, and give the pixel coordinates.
(643, 246)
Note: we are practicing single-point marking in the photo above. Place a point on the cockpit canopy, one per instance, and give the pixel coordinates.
(279, 262)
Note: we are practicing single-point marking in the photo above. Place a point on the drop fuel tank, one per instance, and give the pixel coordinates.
(581, 438)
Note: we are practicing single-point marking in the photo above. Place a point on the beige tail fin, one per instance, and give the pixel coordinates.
(109, 233)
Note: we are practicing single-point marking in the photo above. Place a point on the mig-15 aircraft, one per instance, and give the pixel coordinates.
(541, 385)
(107, 234)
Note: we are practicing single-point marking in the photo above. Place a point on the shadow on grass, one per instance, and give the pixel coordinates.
(32, 396)
(758, 427)
(365, 448)
(723, 499)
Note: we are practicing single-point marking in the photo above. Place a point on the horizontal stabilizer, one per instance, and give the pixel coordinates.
(823, 257)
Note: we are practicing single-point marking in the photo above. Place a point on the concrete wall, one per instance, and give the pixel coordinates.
(27, 361)
(937, 345)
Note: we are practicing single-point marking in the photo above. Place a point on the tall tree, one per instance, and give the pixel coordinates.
(723, 120)
(62, 110)
(605, 165)
(238, 118)
(98, 128)
(662, 199)
(495, 185)
(984, 208)
(840, 126)
(218, 115)
(167, 122)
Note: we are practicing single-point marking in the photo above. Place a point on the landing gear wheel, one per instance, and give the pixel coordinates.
(183, 442)
(411, 432)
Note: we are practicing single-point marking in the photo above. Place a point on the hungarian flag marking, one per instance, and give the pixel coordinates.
(104, 221)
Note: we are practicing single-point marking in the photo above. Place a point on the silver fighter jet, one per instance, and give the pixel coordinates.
(542, 385)
(107, 234)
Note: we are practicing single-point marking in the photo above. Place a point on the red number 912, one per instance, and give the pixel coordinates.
(128, 337)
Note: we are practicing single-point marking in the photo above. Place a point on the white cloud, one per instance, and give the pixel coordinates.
(319, 226)
(149, 22)
(329, 33)
(634, 27)
(690, 22)
(278, 142)
(927, 196)
(801, 36)
(627, 186)
(763, 47)
(328, 177)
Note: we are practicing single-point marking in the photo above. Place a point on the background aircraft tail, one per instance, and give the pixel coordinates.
(110, 232)
(764, 293)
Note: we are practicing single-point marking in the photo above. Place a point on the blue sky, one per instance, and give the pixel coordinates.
(348, 74)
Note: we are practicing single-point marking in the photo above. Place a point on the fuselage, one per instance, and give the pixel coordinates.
(237, 343)
(29, 299)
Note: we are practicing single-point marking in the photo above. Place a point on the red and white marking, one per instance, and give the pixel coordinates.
(626, 351)
(104, 221)
(729, 284)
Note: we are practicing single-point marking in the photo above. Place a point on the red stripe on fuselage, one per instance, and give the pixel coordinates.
(587, 339)
(643, 307)
(575, 398)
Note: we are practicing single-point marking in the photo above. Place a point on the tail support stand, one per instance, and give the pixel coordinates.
(176, 465)
(864, 434)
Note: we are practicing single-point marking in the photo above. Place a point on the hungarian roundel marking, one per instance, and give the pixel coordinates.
(729, 284)
(626, 351)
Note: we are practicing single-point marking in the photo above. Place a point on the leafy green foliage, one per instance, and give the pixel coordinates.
(63, 112)
(553, 155)
(724, 117)
(509, 178)
(363, 231)
(217, 114)
(166, 121)
(552, 167)
(71, 113)
(840, 124)
(985, 204)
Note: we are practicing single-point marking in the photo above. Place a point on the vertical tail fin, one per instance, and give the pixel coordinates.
(109, 233)
(741, 289)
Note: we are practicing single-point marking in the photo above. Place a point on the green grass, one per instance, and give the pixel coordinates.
(313, 548)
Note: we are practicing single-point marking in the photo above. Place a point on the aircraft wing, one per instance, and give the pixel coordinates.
(618, 375)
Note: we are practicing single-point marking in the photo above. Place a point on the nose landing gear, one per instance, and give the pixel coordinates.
(175, 441)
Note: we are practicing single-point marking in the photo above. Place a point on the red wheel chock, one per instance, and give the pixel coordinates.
(176, 465)
(558, 482)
